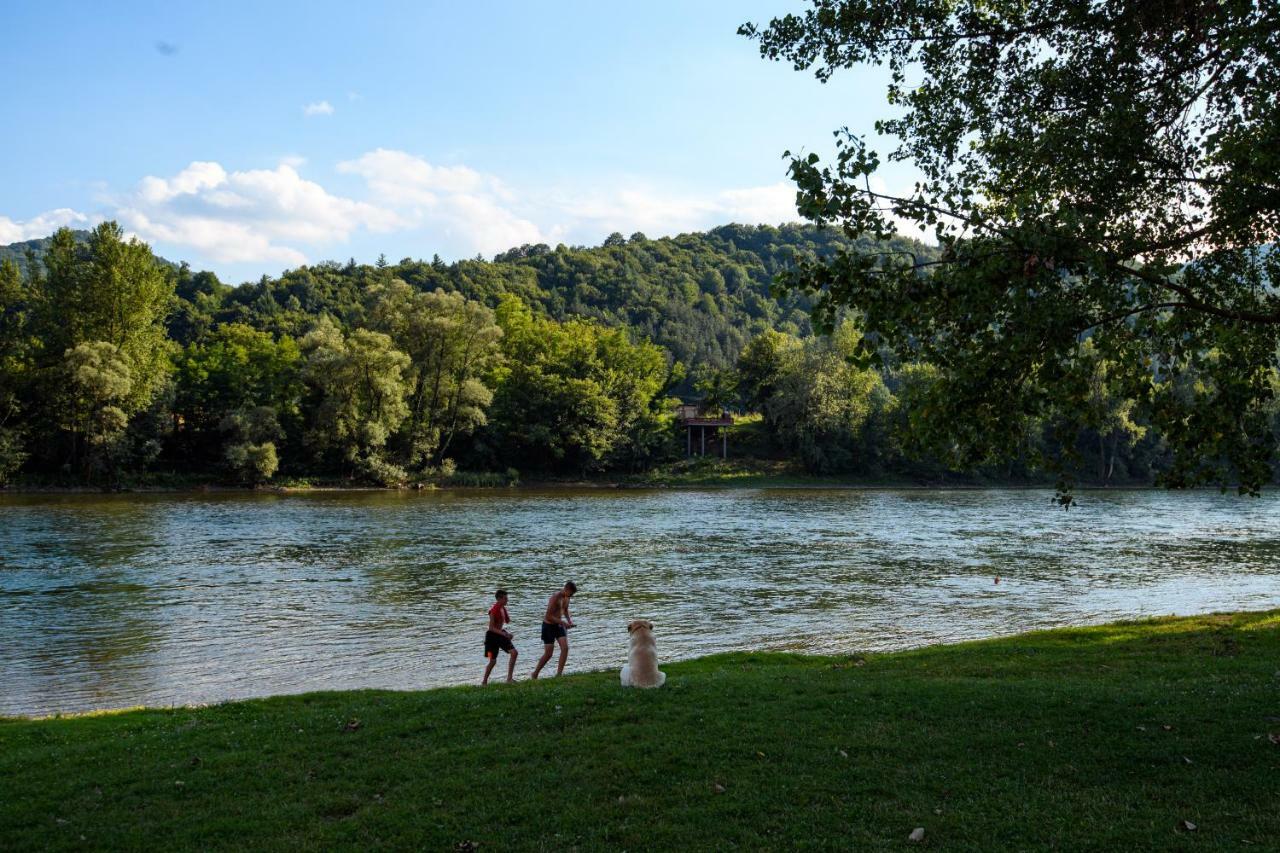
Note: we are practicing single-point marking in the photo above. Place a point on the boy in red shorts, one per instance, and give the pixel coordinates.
(498, 637)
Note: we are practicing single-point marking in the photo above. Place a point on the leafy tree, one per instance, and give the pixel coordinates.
(98, 385)
(359, 387)
(234, 370)
(16, 350)
(719, 388)
(251, 451)
(820, 405)
(763, 363)
(103, 292)
(571, 395)
(452, 342)
(108, 290)
(1109, 414)
(1103, 169)
(200, 294)
(635, 376)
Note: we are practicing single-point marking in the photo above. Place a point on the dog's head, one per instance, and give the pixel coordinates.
(639, 624)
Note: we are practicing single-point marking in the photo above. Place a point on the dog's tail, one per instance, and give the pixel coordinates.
(626, 675)
(662, 678)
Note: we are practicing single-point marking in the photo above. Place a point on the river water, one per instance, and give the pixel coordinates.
(123, 600)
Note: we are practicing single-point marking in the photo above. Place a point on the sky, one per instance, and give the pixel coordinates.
(249, 138)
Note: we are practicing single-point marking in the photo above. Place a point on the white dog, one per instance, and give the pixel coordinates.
(641, 669)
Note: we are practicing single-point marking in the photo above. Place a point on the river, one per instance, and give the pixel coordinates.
(111, 601)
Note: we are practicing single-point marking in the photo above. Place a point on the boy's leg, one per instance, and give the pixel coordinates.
(564, 653)
(493, 659)
(546, 656)
(511, 666)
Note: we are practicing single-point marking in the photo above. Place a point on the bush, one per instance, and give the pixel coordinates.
(11, 454)
(377, 470)
(252, 463)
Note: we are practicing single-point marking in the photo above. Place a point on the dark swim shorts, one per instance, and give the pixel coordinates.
(551, 632)
(494, 641)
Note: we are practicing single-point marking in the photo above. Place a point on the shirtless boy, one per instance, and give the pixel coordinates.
(554, 623)
(498, 637)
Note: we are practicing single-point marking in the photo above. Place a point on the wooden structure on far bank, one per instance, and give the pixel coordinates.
(701, 425)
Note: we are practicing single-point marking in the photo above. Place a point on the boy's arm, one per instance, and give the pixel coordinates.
(564, 608)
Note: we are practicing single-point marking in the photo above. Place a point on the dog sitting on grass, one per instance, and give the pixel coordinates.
(641, 669)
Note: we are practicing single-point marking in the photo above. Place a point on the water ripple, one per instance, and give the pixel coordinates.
(109, 601)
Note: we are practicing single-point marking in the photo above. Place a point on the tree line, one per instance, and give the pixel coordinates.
(563, 362)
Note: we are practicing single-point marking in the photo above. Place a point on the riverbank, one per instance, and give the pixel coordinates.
(1154, 734)
(698, 473)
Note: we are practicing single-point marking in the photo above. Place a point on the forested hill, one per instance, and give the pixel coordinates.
(545, 361)
(18, 252)
(702, 296)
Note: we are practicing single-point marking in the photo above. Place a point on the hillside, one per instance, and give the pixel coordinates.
(702, 296)
(390, 373)
(17, 252)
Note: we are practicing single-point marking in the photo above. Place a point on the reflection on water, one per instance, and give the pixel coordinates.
(109, 601)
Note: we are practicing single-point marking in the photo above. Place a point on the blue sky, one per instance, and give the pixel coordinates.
(251, 137)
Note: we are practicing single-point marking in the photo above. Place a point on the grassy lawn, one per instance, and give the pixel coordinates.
(1095, 738)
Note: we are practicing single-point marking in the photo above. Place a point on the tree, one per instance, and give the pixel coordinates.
(16, 349)
(573, 397)
(1109, 415)
(763, 363)
(97, 386)
(820, 403)
(452, 342)
(106, 292)
(251, 451)
(719, 388)
(111, 290)
(234, 370)
(1100, 169)
(358, 382)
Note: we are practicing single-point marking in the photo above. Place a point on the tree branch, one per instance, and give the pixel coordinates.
(1194, 302)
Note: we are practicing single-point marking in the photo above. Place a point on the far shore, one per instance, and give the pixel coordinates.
(816, 483)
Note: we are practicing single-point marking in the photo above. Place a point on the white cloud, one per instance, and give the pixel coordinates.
(659, 212)
(404, 179)
(768, 205)
(210, 214)
(318, 108)
(250, 216)
(479, 213)
(467, 206)
(44, 224)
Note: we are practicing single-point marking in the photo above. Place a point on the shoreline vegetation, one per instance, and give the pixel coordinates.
(121, 371)
(688, 474)
(692, 473)
(1132, 735)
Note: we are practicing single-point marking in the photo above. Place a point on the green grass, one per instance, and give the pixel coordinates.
(1095, 738)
